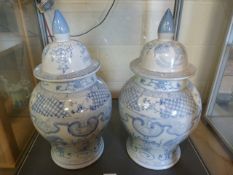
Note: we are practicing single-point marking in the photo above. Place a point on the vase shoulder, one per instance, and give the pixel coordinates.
(70, 86)
(154, 108)
(70, 98)
(160, 85)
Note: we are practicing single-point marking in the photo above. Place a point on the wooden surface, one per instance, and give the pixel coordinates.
(216, 157)
(16, 130)
(8, 148)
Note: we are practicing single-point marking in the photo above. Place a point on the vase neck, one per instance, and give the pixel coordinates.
(70, 86)
(161, 85)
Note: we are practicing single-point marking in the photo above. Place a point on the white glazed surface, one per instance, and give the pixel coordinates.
(71, 116)
(158, 115)
(65, 57)
(164, 56)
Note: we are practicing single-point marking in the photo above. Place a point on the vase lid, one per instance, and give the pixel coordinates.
(64, 59)
(163, 58)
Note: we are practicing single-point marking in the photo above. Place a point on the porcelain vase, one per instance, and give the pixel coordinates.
(71, 116)
(70, 106)
(158, 115)
(159, 106)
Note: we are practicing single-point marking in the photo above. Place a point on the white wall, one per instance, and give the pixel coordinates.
(134, 22)
(202, 31)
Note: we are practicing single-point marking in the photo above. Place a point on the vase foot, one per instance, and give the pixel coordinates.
(69, 159)
(156, 159)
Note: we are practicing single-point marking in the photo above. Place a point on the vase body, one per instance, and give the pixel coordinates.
(158, 115)
(70, 116)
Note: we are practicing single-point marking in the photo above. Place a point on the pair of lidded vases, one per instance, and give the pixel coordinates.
(159, 106)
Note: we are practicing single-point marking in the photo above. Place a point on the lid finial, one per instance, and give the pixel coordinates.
(166, 25)
(60, 26)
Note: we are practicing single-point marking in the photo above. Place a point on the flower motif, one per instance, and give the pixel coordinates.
(62, 55)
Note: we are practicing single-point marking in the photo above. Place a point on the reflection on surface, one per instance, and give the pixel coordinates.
(224, 100)
(222, 115)
(20, 51)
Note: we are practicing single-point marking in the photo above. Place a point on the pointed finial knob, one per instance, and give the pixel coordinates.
(166, 26)
(60, 27)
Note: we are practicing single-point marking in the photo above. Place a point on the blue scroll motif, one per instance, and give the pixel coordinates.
(81, 130)
(148, 127)
(76, 128)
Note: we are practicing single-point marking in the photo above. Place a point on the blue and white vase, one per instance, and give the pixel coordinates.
(159, 106)
(70, 106)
